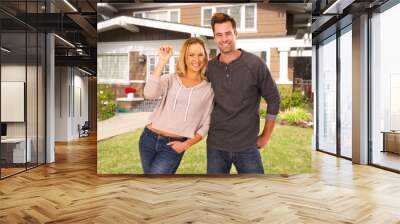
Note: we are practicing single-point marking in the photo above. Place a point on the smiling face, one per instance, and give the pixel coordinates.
(225, 37)
(195, 58)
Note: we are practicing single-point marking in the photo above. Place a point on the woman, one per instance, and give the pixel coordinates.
(182, 117)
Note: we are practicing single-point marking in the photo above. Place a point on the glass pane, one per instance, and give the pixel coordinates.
(207, 13)
(166, 69)
(174, 16)
(249, 14)
(13, 73)
(222, 9)
(327, 96)
(152, 64)
(31, 90)
(41, 98)
(175, 61)
(112, 68)
(385, 89)
(346, 94)
(235, 13)
(31, 98)
(394, 102)
(162, 16)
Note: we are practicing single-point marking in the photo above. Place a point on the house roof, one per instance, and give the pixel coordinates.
(132, 23)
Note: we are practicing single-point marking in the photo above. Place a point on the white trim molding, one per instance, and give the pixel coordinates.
(126, 20)
(137, 81)
(152, 5)
(300, 53)
(272, 42)
(284, 66)
(112, 81)
(169, 11)
(268, 59)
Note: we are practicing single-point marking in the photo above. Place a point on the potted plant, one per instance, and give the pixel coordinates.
(129, 91)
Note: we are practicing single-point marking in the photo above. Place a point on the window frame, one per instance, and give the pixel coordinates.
(144, 14)
(171, 63)
(116, 81)
(239, 27)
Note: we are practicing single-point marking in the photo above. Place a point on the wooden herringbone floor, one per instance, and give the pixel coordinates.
(70, 191)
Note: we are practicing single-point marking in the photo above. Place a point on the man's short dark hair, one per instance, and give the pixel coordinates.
(222, 18)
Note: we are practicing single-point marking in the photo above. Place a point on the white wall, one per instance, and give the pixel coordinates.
(14, 73)
(69, 85)
(80, 93)
(62, 81)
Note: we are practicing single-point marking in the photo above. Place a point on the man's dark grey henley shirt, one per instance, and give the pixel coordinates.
(238, 88)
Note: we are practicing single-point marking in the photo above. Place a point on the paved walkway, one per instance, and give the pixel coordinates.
(121, 123)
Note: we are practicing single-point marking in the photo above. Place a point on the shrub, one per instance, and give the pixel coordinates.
(291, 99)
(106, 105)
(295, 116)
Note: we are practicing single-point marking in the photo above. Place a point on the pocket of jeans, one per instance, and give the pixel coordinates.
(169, 148)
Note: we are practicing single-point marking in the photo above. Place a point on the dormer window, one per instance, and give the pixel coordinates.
(245, 15)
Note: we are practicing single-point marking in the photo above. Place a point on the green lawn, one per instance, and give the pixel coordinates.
(288, 152)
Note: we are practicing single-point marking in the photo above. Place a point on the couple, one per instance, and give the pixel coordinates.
(220, 98)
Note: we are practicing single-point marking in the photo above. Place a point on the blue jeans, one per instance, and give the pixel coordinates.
(156, 156)
(247, 161)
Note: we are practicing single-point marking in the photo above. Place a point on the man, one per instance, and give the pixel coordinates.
(239, 80)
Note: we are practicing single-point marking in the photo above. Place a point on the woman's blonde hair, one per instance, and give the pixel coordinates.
(181, 68)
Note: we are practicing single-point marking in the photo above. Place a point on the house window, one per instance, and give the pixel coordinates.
(168, 68)
(152, 65)
(174, 16)
(235, 13)
(223, 10)
(249, 17)
(245, 15)
(207, 13)
(138, 15)
(176, 59)
(161, 15)
(113, 68)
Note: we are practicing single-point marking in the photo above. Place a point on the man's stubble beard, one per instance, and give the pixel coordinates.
(231, 50)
